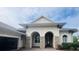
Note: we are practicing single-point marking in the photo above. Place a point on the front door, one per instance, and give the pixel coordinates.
(48, 40)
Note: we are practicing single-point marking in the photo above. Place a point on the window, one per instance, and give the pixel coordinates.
(64, 38)
(36, 37)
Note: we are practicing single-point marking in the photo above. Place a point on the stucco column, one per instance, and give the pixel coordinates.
(56, 41)
(28, 42)
(19, 43)
(42, 42)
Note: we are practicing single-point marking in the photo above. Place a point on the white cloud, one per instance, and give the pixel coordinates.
(15, 16)
(7, 17)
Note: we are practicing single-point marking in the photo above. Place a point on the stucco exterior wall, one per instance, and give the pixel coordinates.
(20, 43)
(69, 37)
(42, 31)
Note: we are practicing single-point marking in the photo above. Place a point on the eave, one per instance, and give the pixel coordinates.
(69, 30)
(60, 25)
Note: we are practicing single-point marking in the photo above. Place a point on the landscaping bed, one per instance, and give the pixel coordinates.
(69, 46)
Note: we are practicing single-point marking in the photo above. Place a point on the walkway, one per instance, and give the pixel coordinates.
(39, 49)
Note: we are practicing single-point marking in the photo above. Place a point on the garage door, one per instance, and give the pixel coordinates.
(7, 43)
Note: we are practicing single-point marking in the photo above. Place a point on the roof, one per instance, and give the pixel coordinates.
(43, 24)
(42, 17)
(9, 28)
(68, 30)
(21, 30)
(50, 23)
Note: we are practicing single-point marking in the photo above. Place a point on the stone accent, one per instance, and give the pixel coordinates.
(42, 42)
(56, 41)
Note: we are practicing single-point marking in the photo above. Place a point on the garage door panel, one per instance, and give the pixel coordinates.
(7, 43)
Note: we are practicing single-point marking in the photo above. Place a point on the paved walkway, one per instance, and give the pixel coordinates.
(39, 49)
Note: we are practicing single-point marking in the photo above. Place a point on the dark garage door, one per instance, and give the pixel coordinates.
(7, 43)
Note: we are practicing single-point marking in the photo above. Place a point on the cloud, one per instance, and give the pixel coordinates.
(16, 15)
(8, 17)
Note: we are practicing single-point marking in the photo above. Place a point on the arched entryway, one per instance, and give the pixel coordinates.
(48, 39)
(35, 40)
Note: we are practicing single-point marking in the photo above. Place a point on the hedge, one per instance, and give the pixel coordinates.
(68, 46)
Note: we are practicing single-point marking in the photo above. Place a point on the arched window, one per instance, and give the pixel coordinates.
(36, 37)
(64, 38)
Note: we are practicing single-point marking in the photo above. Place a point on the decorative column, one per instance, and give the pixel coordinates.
(28, 42)
(19, 43)
(56, 41)
(42, 42)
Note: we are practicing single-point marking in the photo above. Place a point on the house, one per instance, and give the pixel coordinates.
(44, 33)
(41, 33)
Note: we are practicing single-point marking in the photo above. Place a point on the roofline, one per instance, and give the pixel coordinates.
(55, 24)
(69, 30)
(41, 17)
(31, 23)
(8, 27)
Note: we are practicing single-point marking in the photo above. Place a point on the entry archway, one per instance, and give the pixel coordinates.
(48, 39)
(35, 39)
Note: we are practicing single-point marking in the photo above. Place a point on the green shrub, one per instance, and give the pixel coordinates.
(69, 46)
(66, 45)
(59, 47)
(75, 39)
(75, 45)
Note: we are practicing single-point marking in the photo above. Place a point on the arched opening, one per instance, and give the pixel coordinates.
(35, 39)
(48, 39)
(64, 38)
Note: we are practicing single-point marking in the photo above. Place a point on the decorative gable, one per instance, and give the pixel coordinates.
(42, 19)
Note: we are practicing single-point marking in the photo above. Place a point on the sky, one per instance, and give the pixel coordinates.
(14, 16)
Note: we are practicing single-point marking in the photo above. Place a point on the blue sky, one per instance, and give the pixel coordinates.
(14, 16)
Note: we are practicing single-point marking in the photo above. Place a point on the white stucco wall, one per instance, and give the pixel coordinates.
(42, 30)
(20, 43)
(69, 37)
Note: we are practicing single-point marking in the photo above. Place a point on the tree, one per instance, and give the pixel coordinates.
(75, 39)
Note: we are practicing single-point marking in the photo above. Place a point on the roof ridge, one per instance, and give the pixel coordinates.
(42, 17)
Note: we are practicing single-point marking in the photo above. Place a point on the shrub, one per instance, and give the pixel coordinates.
(66, 45)
(60, 47)
(75, 45)
(70, 46)
(75, 39)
